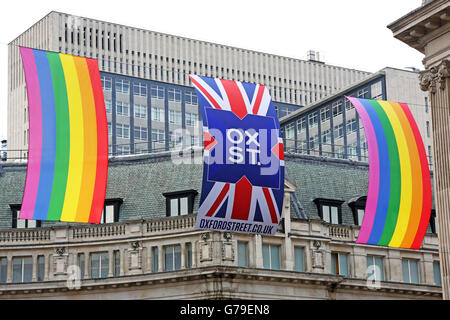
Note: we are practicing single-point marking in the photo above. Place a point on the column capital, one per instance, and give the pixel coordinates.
(435, 77)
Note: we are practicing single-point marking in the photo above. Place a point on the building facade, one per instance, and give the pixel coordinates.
(148, 248)
(169, 59)
(331, 127)
(427, 29)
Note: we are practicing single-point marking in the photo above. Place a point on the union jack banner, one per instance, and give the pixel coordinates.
(243, 176)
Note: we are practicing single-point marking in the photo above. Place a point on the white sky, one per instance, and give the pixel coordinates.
(347, 33)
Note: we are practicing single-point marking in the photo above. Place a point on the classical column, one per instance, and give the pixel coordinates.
(436, 81)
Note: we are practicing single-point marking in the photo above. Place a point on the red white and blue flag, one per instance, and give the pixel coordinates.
(243, 176)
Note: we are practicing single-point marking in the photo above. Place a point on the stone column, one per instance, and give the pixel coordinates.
(436, 81)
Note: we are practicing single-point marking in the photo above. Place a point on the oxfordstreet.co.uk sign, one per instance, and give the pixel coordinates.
(243, 176)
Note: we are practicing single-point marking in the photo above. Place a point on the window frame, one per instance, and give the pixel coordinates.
(116, 203)
(15, 208)
(320, 202)
(190, 194)
(356, 204)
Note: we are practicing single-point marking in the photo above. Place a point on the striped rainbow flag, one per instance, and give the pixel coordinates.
(68, 138)
(398, 205)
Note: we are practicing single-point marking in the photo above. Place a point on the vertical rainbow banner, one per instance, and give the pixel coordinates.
(398, 205)
(68, 138)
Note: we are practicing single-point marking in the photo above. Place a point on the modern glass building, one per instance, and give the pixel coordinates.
(332, 128)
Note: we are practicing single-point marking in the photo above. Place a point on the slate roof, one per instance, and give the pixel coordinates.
(141, 180)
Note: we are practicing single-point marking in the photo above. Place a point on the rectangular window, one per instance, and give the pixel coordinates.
(360, 214)
(299, 256)
(436, 273)
(157, 114)
(175, 117)
(363, 93)
(123, 150)
(116, 264)
(375, 266)
(428, 128)
(22, 268)
(140, 133)
(191, 119)
(376, 91)
(188, 255)
(352, 125)
(99, 265)
(326, 136)
(106, 83)
(111, 209)
(271, 256)
(337, 108)
(158, 135)
(301, 125)
(172, 258)
(108, 106)
(3, 269)
(122, 131)
(81, 264)
(312, 119)
(140, 89)
(339, 131)
(410, 269)
(122, 108)
(140, 111)
(174, 95)
(324, 114)
(191, 98)
(123, 86)
(22, 223)
(330, 214)
(339, 264)
(157, 92)
(242, 254)
(155, 265)
(40, 268)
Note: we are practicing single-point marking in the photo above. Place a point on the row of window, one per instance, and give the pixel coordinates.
(141, 90)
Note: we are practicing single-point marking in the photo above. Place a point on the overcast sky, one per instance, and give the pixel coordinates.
(347, 33)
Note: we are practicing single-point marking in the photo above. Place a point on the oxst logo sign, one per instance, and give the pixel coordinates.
(243, 177)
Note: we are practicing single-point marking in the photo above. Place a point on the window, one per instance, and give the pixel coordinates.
(122, 130)
(436, 273)
(337, 108)
(122, 150)
(40, 268)
(99, 265)
(358, 205)
(312, 119)
(324, 114)
(123, 86)
(188, 254)
(122, 108)
(339, 264)
(155, 265)
(290, 133)
(191, 119)
(140, 133)
(376, 265)
(140, 89)
(157, 114)
(81, 264)
(106, 83)
(271, 256)
(363, 93)
(352, 125)
(108, 106)
(301, 125)
(299, 257)
(111, 210)
(157, 92)
(326, 136)
(433, 222)
(22, 268)
(376, 90)
(339, 131)
(174, 95)
(242, 254)
(428, 128)
(116, 263)
(172, 258)
(426, 105)
(3, 269)
(329, 210)
(158, 135)
(180, 203)
(175, 117)
(410, 269)
(140, 111)
(191, 98)
(22, 223)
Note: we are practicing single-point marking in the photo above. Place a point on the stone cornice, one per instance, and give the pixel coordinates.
(435, 77)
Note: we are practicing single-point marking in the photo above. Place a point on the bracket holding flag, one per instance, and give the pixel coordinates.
(243, 176)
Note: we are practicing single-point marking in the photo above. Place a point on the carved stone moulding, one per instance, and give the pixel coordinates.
(435, 77)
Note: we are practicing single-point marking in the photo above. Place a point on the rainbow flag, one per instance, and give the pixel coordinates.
(68, 138)
(398, 205)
